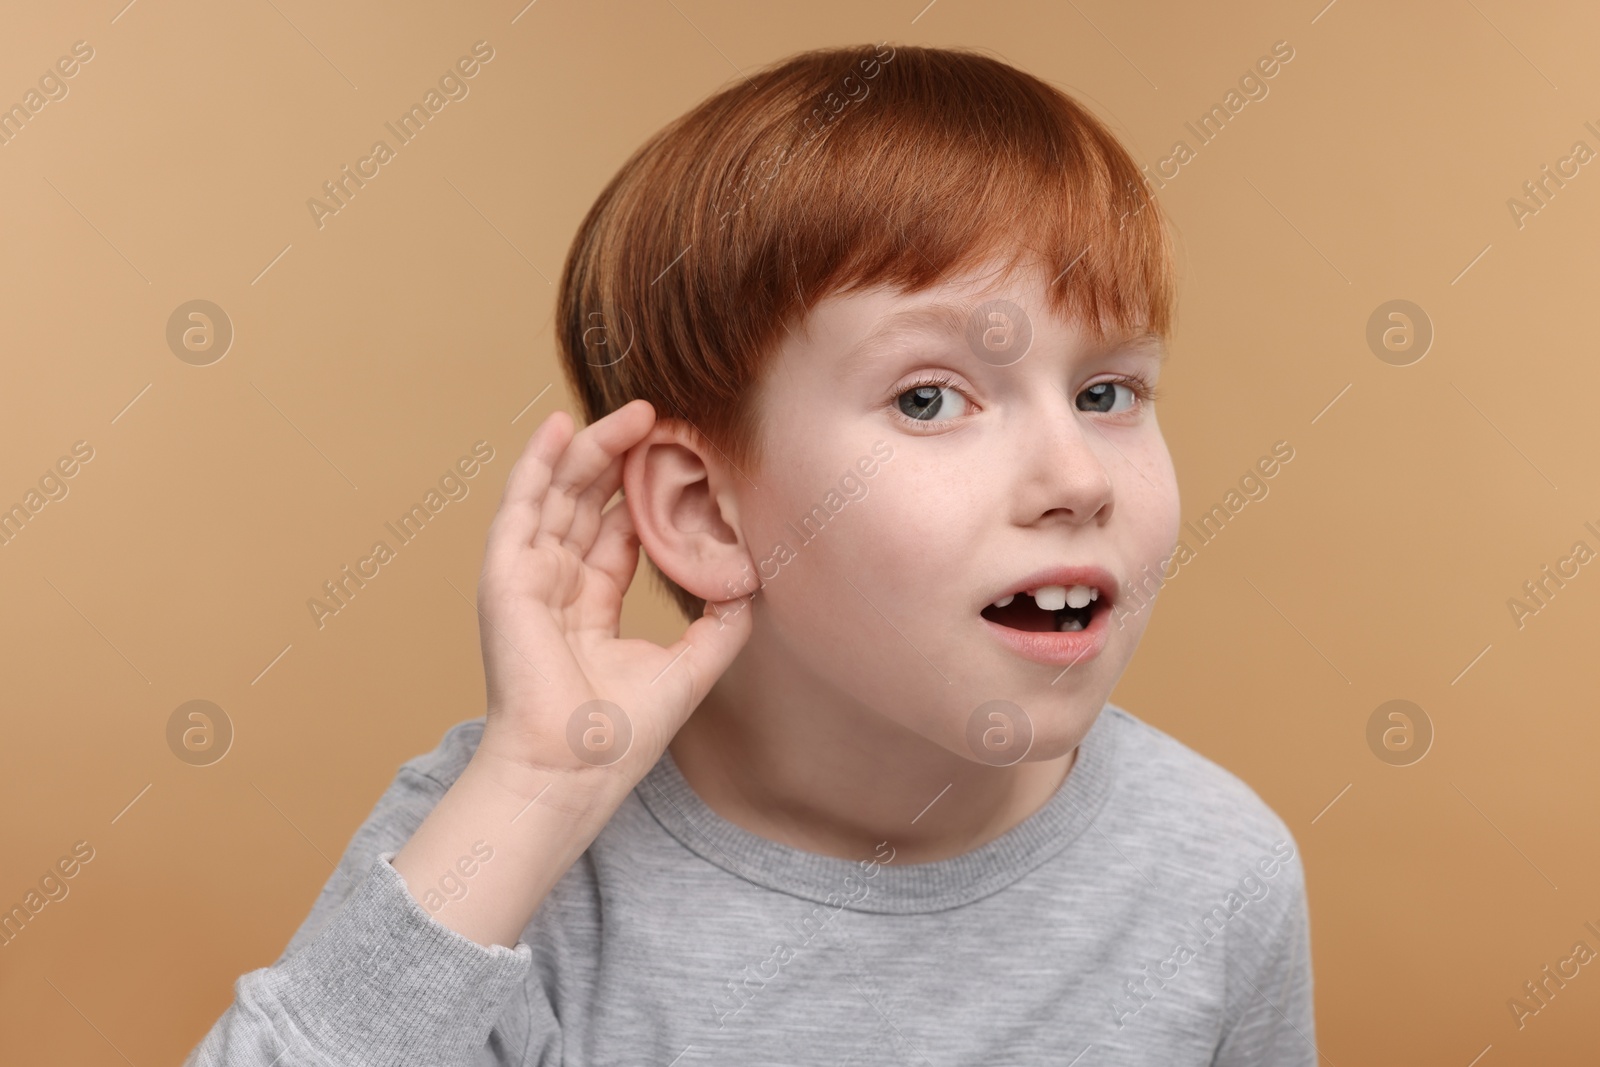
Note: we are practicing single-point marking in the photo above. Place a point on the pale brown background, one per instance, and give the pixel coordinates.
(417, 321)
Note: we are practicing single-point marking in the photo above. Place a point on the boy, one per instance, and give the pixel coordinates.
(870, 342)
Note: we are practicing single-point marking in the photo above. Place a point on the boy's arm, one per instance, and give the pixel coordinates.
(1269, 1017)
(411, 962)
(374, 974)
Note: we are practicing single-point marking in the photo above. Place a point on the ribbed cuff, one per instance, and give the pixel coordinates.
(384, 983)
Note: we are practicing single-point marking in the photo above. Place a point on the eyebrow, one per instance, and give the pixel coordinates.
(951, 319)
(948, 319)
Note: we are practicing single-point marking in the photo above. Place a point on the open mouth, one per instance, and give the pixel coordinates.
(1047, 608)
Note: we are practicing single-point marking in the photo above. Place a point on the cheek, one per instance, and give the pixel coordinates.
(1165, 508)
(871, 599)
(1152, 514)
(908, 544)
(1152, 527)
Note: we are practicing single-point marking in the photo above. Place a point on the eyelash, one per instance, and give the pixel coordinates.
(1144, 390)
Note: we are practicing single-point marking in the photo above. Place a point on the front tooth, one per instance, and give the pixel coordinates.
(1003, 601)
(1051, 597)
(1070, 622)
(1079, 596)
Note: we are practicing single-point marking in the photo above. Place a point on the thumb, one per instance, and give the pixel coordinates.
(715, 639)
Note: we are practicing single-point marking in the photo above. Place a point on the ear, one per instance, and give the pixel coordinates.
(681, 499)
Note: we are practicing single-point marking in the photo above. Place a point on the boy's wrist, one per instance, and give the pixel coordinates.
(570, 785)
(499, 839)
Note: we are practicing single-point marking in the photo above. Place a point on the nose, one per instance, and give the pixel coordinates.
(1064, 476)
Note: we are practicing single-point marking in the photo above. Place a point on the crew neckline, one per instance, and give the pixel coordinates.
(894, 888)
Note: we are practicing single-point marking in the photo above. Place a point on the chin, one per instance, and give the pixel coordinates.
(1033, 725)
(1052, 746)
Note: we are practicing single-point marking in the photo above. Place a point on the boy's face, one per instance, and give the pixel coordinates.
(879, 586)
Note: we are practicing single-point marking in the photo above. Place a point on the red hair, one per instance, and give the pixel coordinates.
(832, 170)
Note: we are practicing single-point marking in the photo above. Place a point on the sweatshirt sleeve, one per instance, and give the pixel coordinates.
(370, 977)
(1269, 1018)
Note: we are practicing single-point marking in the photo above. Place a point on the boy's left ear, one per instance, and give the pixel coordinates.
(683, 507)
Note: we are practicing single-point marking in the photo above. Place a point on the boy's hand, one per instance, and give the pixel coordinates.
(549, 601)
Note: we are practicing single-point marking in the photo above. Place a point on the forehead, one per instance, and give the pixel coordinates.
(858, 330)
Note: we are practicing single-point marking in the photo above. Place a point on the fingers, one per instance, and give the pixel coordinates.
(591, 453)
(517, 518)
(615, 552)
(713, 640)
(547, 469)
(589, 506)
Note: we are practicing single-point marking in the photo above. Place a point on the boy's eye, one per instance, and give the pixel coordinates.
(1103, 396)
(925, 402)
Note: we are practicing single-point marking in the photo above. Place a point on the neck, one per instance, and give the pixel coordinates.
(777, 751)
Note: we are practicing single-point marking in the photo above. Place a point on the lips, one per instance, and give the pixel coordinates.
(1063, 599)
(1059, 637)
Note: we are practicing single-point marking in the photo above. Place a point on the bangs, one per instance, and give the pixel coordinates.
(945, 163)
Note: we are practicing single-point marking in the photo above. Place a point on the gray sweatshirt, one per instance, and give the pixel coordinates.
(1153, 911)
